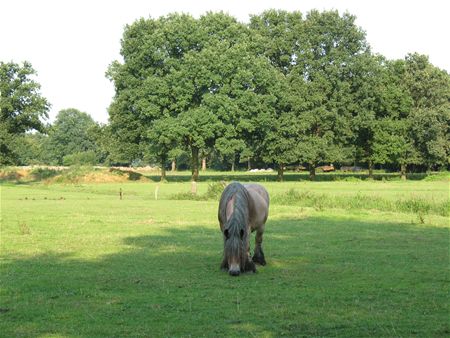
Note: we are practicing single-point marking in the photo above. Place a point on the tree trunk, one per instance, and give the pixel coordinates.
(280, 172)
(312, 172)
(163, 167)
(194, 164)
(370, 163)
(174, 165)
(232, 163)
(403, 171)
(249, 165)
(204, 164)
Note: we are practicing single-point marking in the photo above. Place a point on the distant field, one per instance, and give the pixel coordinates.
(345, 259)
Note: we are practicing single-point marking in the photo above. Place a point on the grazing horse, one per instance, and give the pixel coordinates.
(243, 208)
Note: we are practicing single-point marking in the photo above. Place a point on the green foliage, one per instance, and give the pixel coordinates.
(72, 175)
(70, 136)
(320, 201)
(213, 192)
(80, 158)
(22, 108)
(287, 88)
(442, 176)
(42, 173)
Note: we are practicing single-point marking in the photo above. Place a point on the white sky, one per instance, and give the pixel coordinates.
(71, 43)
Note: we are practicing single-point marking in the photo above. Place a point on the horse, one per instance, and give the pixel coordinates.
(243, 208)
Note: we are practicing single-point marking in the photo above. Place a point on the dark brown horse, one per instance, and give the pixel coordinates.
(243, 208)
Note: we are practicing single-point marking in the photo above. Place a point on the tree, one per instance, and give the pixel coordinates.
(429, 88)
(29, 148)
(392, 143)
(277, 36)
(69, 135)
(202, 75)
(147, 87)
(163, 136)
(22, 108)
(320, 81)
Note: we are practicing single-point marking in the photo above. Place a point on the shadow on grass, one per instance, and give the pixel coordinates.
(325, 277)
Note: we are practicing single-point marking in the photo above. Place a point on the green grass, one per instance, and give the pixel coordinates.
(76, 261)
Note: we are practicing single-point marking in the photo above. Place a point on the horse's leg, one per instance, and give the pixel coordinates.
(258, 256)
(249, 264)
(224, 264)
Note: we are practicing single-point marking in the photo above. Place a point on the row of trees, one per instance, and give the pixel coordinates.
(284, 89)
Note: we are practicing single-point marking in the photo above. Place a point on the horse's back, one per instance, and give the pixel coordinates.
(259, 205)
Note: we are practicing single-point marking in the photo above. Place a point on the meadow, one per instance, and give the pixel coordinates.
(345, 259)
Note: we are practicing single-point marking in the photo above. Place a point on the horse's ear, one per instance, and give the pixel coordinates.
(226, 233)
(241, 233)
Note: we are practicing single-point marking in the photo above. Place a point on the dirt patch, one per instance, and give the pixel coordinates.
(50, 175)
(111, 175)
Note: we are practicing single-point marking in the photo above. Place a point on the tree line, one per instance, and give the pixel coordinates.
(284, 89)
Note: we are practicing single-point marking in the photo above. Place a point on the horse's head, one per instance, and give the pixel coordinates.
(235, 249)
(234, 222)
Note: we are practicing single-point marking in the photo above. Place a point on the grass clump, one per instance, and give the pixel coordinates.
(213, 192)
(441, 176)
(358, 201)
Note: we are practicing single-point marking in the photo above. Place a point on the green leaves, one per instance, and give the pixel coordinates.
(70, 135)
(286, 88)
(22, 108)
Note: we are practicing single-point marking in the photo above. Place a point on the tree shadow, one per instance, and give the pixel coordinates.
(325, 277)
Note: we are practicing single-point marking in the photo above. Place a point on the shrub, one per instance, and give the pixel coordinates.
(214, 191)
(40, 174)
(9, 175)
(81, 158)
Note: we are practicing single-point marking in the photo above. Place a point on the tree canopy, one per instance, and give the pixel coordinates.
(22, 108)
(285, 89)
(69, 135)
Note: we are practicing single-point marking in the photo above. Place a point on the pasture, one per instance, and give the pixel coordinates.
(344, 259)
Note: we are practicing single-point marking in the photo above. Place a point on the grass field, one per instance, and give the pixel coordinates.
(345, 259)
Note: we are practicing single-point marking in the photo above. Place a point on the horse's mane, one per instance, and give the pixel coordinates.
(240, 216)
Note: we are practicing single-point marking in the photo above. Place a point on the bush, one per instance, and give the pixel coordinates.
(81, 158)
(214, 191)
(40, 174)
(9, 175)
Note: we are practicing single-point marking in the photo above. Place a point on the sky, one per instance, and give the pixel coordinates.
(71, 43)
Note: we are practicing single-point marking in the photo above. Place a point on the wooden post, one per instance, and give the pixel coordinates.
(120, 193)
(194, 187)
(204, 164)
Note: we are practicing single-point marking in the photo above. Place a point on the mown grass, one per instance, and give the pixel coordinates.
(76, 261)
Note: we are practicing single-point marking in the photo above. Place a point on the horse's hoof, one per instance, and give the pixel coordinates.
(250, 266)
(259, 259)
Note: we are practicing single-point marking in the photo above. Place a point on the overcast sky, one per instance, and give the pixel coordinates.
(71, 43)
